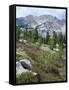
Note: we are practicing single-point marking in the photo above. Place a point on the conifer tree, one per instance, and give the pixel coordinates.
(18, 32)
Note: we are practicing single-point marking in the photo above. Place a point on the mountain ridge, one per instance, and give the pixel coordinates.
(43, 22)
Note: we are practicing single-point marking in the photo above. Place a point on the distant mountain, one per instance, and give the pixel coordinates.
(31, 20)
(43, 23)
(20, 21)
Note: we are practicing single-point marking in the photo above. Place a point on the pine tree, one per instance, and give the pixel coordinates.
(30, 35)
(55, 39)
(60, 39)
(51, 43)
(35, 35)
(18, 32)
(47, 38)
(64, 38)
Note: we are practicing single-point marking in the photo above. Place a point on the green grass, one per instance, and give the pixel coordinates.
(26, 78)
(49, 66)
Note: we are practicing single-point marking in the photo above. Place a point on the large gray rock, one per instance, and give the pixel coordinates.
(20, 69)
(26, 64)
(46, 48)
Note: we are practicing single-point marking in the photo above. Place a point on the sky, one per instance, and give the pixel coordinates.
(25, 11)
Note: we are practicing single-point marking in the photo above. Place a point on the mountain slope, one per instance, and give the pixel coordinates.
(43, 23)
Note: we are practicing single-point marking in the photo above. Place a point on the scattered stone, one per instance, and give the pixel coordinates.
(57, 45)
(34, 73)
(20, 69)
(56, 49)
(26, 64)
(25, 41)
(46, 48)
(20, 40)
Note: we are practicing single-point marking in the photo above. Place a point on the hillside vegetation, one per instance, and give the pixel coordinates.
(47, 55)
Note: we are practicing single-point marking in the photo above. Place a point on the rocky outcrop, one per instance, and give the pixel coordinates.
(24, 66)
(20, 69)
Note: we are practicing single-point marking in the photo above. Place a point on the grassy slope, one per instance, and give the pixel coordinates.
(50, 67)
